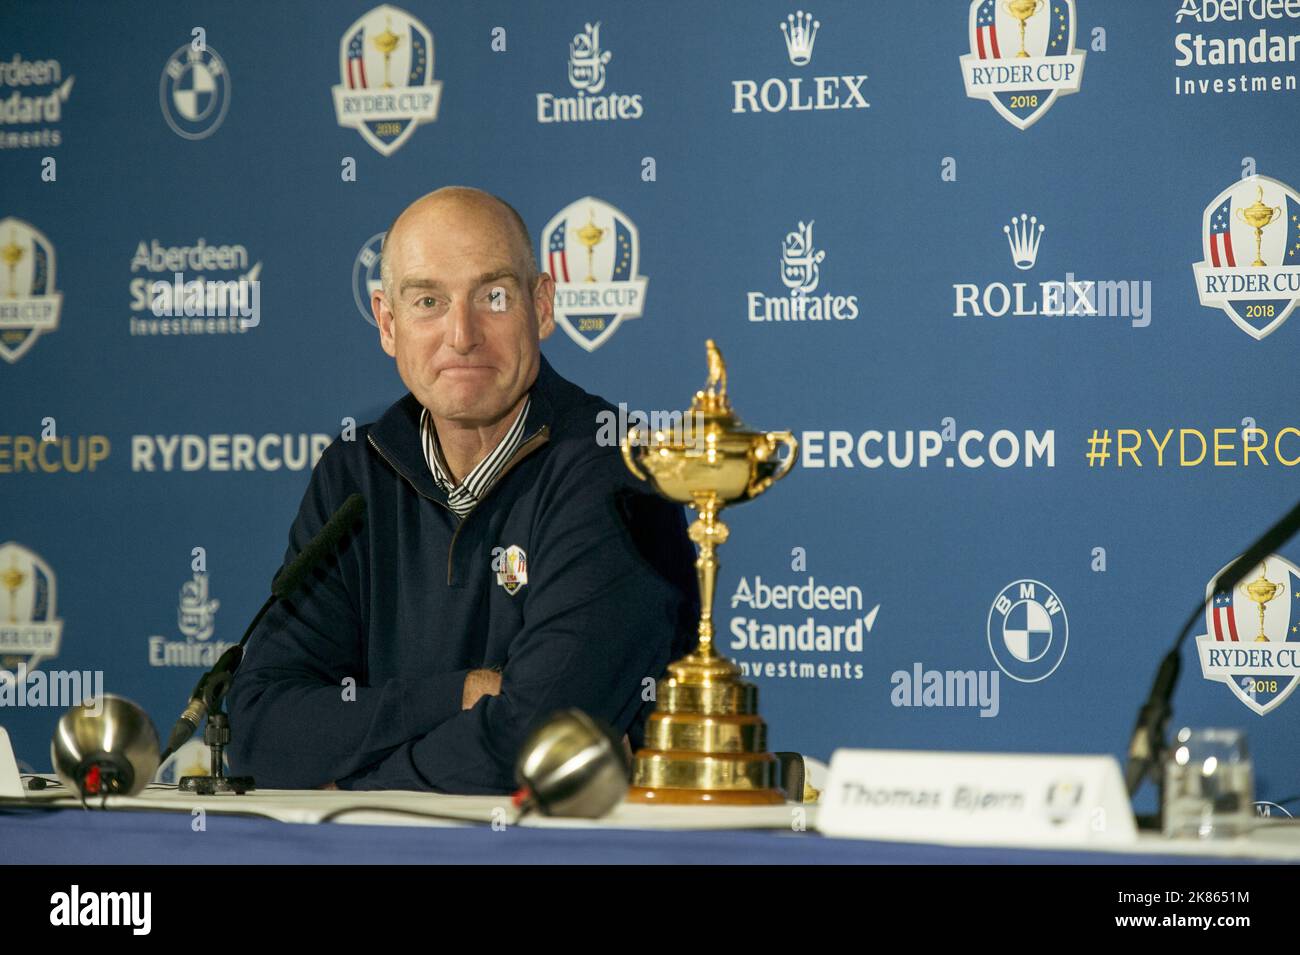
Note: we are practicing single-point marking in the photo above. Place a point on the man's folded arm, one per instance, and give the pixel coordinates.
(599, 622)
(296, 723)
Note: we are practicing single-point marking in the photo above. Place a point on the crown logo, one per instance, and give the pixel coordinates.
(1024, 235)
(800, 31)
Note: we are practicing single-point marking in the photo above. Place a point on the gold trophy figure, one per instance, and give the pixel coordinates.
(12, 579)
(705, 742)
(1261, 591)
(386, 43)
(1257, 216)
(590, 236)
(12, 253)
(1022, 10)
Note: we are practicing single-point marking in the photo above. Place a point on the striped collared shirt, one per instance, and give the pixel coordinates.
(461, 498)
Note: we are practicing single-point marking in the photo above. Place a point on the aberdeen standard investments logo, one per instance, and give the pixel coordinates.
(1251, 239)
(200, 289)
(1261, 54)
(1022, 56)
(593, 252)
(29, 305)
(1252, 639)
(1028, 630)
(32, 96)
(386, 86)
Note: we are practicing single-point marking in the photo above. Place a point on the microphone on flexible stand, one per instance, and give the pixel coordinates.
(1147, 745)
(103, 747)
(209, 693)
(571, 765)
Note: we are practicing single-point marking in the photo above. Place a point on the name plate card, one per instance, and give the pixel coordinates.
(11, 783)
(976, 798)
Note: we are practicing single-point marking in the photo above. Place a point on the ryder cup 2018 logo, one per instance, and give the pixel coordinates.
(29, 305)
(1252, 639)
(511, 566)
(1251, 270)
(592, 250)
(29, 629)
(194, 91)
(1028, 630)
(386, 86)
(1022, 56)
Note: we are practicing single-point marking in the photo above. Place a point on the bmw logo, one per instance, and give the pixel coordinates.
(194, 92)
(1028, 630)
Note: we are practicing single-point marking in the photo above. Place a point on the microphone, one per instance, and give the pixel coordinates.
(286, 582)
(1272, 539)
(1148, 741)
(105, 747)
(190, 718)
(1145, 746)
(200, 699)
(571, 765)
(318, 548)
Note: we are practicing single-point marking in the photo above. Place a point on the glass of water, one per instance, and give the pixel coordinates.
(1209, 785)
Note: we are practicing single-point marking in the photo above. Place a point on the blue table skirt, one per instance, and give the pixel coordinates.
(126, 838)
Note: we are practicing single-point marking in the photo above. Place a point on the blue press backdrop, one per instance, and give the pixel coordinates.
(1120, 172)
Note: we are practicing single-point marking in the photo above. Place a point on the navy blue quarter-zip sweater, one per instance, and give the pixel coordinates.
(413, 602)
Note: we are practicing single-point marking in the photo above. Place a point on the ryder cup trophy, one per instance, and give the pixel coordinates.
(1257, 216)
(705, 742)
(1262, 590)
(1022, 10)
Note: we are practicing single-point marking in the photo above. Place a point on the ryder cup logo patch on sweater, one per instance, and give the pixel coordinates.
(511, 566)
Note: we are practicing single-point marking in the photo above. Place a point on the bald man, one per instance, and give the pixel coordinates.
(507, 567)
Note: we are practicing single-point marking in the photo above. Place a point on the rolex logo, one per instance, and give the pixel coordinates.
(1024, 235)
(800, 31)
(1106, 298)
(803, 93)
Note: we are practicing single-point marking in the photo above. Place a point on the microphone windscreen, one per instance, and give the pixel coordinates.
(1273, 538)
(320, 547)
(572, 765)
(107, 745)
